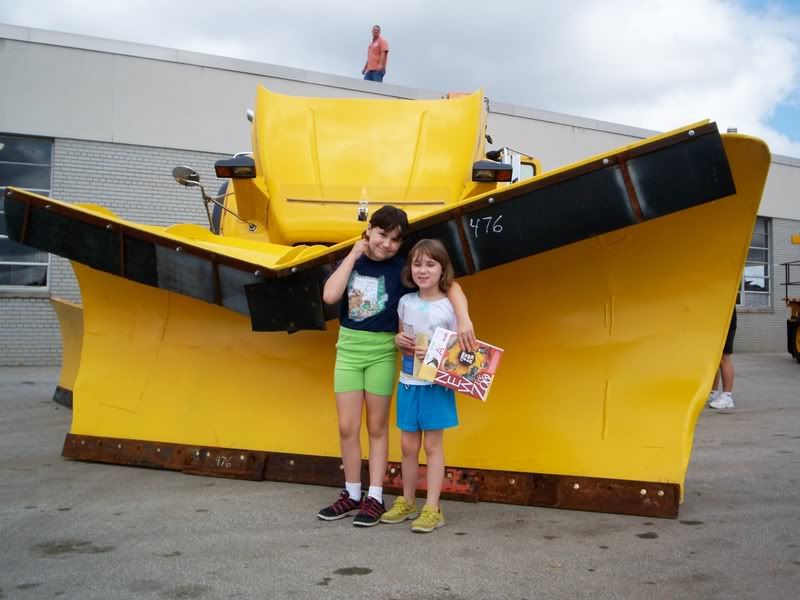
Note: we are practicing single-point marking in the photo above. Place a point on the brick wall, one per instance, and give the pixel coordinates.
(136, 183)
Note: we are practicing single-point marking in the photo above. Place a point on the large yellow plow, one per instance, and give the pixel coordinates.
(609, 284)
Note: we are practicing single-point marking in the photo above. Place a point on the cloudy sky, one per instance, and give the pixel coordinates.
(656, 64)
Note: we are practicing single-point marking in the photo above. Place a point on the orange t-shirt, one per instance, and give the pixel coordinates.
(374, 51)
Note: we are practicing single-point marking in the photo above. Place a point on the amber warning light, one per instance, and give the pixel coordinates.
(487, 171)
(238, 167)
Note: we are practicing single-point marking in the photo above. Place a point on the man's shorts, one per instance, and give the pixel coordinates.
(374, 76)
(425, 407)
(728, 348)
(365, 360)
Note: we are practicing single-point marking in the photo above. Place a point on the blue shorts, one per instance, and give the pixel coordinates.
(374, 76)
(425, 407)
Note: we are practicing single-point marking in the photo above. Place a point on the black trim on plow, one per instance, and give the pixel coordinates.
(615, 191)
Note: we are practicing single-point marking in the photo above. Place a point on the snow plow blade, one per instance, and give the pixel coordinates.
(609, 284)
(70, 320)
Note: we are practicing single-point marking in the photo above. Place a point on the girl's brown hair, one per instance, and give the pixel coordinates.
(436, 250)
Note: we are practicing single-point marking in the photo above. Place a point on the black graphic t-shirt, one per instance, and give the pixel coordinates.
(373, 291)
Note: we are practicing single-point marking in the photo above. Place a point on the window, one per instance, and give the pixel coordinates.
(755, 288)
(24, 163)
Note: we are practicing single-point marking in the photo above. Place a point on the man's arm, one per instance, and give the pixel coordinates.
(384, 55)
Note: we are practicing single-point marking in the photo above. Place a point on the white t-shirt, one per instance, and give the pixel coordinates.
(419, 316)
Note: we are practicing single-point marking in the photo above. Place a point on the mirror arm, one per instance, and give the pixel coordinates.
(251, 226)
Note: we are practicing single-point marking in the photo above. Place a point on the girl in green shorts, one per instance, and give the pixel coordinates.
(366, 357)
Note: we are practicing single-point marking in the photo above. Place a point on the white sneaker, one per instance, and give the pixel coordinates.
(713, 397)
(722, 402)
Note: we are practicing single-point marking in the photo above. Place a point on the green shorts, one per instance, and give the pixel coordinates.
(365, 360)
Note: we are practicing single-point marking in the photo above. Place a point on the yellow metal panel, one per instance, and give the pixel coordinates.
(416, 154)
(70, 320)
(611, 346)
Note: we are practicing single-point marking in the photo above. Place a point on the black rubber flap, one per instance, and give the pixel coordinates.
(549, 217)
(185, 274)
(681, 176)
(140, 261)
(290, 304)
(232, 282)
(91, 245)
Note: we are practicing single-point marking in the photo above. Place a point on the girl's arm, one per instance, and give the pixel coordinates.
(337, 282)
(404, 342)
(466, 333)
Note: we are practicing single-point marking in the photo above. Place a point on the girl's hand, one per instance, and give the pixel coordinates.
(359, 249)
(405, 342)
(466, 335)
(421, 351)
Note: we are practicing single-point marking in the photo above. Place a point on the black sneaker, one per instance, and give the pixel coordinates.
(339, 509)
(370, 513)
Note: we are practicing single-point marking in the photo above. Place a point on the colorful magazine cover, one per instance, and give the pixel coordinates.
(448, 365)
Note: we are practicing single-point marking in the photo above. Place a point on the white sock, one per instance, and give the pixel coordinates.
(376, 492)
(727, 396)
(354, 489)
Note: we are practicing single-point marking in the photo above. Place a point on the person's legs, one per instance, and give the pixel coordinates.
(349, 408)
(434, 457)
(378, 428)
(724, 399)
(726, 368)
(437, 412)
(410, 442)
(378, 385)
(714, 394)
(405, 506)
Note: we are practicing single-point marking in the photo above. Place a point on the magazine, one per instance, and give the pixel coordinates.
(470, 373)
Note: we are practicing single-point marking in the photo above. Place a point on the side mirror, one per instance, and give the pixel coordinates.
(186, 176)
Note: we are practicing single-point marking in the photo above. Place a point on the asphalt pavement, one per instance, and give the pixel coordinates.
(80, 530)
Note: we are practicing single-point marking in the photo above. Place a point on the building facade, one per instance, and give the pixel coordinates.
(104, 122)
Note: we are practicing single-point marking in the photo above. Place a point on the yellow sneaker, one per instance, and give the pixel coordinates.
(401, 511)
(430, 519)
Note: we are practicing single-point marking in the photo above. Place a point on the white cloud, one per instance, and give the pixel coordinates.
(656, 64)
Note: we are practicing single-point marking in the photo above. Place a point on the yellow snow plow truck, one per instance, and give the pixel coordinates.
(609, 283)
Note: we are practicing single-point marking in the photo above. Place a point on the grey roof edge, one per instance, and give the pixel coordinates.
(565, 119)
(135, 49)
(786, 160)
(98, 44)
(200, 59)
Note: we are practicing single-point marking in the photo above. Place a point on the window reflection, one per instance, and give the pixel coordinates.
(24, 163)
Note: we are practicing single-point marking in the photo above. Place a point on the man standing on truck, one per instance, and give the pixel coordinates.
(377, 55)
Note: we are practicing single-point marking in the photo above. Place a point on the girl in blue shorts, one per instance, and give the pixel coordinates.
(424, 410)
(368, 283)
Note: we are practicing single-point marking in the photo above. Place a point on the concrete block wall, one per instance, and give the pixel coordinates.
(136, 183)
(29, 334)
